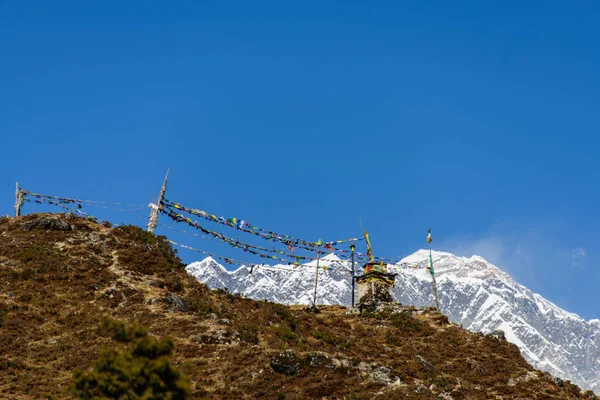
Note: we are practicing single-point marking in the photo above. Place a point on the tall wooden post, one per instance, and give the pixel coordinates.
(352, 249)
(435, 293)
(153, 221)
(18, 201)
(317, 274)
(432, 272)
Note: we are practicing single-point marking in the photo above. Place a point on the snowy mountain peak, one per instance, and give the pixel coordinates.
(331, 257)
(209, 261)
(325, 261)
(450, 266)
(210, 272)
(472, 292)
(423, 254)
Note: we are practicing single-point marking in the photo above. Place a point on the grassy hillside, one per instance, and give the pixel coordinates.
(62, 277)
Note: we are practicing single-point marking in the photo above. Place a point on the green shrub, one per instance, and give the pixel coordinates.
(28, 274)
(405, 322)
(329, 338)
(121, 332)
(143, 252)
(171, 282)
(443, 382)
(201, 305)
(39, 260)
(391, 337)
(249, 334)
(284, 333)
(286, 316)
(142, 371)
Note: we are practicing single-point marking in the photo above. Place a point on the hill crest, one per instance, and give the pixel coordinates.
(61, 276)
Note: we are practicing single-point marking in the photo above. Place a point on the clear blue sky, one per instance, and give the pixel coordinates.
(478, 119)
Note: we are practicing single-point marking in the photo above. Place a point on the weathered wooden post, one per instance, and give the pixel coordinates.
(352, 247)
(432, 272)
(317, 273)
(18, 201)
(155, 208)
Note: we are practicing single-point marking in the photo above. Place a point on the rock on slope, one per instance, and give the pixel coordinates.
(473, 293)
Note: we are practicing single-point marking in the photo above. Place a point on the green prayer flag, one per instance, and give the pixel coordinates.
(430, 264)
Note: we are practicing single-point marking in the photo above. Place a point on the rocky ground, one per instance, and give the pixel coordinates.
(61, 276)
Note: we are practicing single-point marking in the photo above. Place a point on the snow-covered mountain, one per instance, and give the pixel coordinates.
(472, 292)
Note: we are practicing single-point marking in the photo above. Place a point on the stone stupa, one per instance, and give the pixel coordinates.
(375, 284)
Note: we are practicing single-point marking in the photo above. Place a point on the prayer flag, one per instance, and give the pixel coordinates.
(430, 264)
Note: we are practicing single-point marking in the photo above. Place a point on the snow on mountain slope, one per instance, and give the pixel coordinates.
(472, 292)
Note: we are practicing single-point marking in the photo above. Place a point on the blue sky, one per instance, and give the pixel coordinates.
(477, 119)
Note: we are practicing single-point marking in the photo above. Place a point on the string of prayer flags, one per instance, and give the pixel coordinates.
(69, 200)
(69, 205)
(227, 260)
(232, 261)
(246, 247)
(400, 266)
(172, 212)
(243, 225)
(247, 227)
(42, 200)
(171, 209)
(180, 218)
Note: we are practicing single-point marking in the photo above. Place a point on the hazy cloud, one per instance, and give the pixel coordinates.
(540, 255)
(493, 249)
(522, 251)
(577, 254)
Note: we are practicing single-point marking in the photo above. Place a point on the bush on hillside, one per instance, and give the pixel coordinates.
(146, 253)
(121, 332)
(141, 371)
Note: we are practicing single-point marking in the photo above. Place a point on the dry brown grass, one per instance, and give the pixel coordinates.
(56, 288)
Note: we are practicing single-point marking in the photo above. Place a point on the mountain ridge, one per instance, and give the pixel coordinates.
(473, 293)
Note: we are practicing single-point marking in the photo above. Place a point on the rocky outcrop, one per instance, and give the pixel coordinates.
(175, 303)
(48, 223)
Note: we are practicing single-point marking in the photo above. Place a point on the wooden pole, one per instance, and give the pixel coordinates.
(317, 275)
(352, 249)
(18, 201)
(435, 293)
(153, 221)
